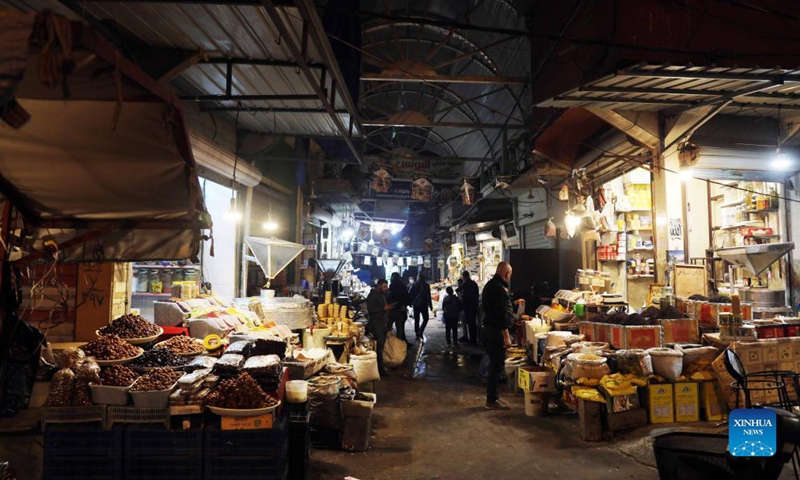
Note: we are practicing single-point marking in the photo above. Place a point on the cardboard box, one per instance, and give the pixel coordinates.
(680, 330)
(359, 408)
(356, 434)
(687, 402)
(536, 379)
(660, 403)
(260, 422)
(644, 337)
(711, 402)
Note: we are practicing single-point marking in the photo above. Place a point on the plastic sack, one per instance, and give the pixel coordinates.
(692, 354)
(61, 389)
(667, 362)
(87, 374)
(323, 395)
(635, 362)
(346, 372)
(394, 352)
(366, 367)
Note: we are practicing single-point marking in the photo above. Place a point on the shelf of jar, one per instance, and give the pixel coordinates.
(640, 249)
(641, 229)
(634, 277)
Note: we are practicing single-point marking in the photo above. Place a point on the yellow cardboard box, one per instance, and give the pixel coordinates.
(687, 402)
(260, 422)
(660, 403)
(714, 407)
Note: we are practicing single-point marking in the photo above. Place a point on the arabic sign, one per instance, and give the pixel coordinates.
(423, 191)
(408, 168)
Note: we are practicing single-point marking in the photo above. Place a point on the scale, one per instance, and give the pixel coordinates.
(756, 259)
(271, 254)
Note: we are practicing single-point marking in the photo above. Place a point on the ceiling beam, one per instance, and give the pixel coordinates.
(268, 109)
(474, 79)
(224, 98)
(387, 123)
(433, 160)
(642, 126)
(639, 72)
(640, 101)
(267, 62)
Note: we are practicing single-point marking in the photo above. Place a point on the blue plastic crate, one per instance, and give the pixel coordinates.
(264, 443)
(143, 441)
(164, 467)
(84, 441)
(245, 468)
(71, 467)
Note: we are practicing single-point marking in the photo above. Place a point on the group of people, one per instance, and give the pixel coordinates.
(387, 305)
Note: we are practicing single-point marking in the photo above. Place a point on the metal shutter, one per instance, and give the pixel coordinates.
(534, 236)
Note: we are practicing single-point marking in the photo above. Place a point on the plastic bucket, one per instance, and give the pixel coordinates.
(296, 391)
(536, 404)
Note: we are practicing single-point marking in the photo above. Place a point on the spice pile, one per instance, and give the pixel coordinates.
(157, 379)
(159, 357)
(241, 392)
(130, 326)
(110, 347)
(118, 376)
(182, 345)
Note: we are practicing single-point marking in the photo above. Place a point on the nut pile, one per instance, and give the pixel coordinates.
(130, 326)
(157, 379)
(110, 347)
(159, 357)
(241, 392)
(118, 376)
(183, 345)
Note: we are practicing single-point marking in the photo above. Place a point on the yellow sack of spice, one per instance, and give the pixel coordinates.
(639, 381)
(617, 384)
(588, 393)
(702, 376)
(589, 382)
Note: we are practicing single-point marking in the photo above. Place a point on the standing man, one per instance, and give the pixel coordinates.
(423, 304)
(378, 319)
(498, 318)
(469, 302)
(401, 299)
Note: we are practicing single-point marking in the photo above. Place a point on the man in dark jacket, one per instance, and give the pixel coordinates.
(423, 304)
(469, 302)
(451, 307)
(498, 318)
(378, 319)
(401, 299)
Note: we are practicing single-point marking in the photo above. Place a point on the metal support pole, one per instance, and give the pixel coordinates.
(229, 79)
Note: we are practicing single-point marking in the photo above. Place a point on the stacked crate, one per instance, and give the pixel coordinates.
(246, 454)
(158, 453)
(299, 441)
(87, 453)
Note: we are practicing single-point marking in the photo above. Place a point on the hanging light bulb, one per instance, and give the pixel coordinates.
(371, 239)
(233, 214)
(571, 223)
(270, 225)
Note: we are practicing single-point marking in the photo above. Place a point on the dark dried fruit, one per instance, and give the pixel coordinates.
(130, 326)
(241, 392)
(159, 357)
(118, 376)
(110, 347)
(156, 379)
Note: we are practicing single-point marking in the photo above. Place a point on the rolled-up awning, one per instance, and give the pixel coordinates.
(97, 160)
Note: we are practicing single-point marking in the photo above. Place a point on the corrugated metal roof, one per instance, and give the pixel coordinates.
(644, 87)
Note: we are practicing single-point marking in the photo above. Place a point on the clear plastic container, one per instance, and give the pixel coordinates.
(296, 391)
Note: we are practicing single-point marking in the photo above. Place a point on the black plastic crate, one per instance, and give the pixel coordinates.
(84, 441)
(143, 441)
(245, 468)
(163, 467)
(298, 412)
(299, 456)
(71, 467)
(269, 443)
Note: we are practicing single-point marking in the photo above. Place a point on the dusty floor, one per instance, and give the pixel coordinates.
(430, 424)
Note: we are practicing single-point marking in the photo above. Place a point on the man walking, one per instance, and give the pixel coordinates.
(400, 298)
(469, 302)
(378, 319)
(451, 307)
(423, 304)
(498, 318)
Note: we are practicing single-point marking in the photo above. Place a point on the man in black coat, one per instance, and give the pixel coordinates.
(399, 296)
(423, 304)
(469, 303)
(498, 317)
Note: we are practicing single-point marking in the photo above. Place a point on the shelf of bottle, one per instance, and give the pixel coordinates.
(642, 229)
(151, 294)
(634, 277)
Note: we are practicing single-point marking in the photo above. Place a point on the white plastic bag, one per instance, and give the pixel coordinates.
(366, 367)
(394, 352)
(550, 229)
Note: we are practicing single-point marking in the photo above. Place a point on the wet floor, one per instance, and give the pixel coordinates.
(430, 423)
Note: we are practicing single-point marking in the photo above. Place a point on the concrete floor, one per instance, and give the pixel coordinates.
(430, 423)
